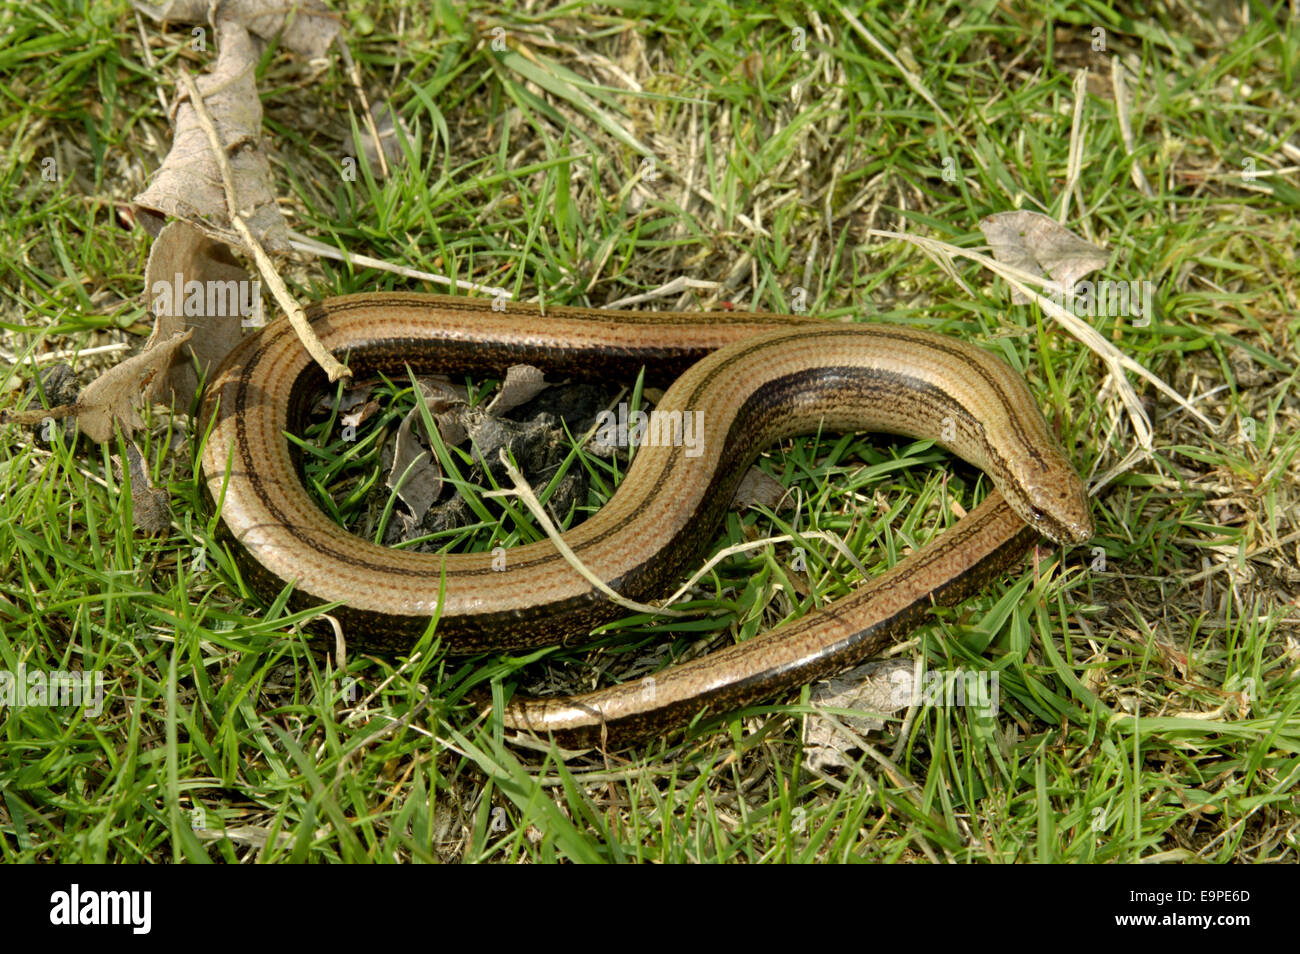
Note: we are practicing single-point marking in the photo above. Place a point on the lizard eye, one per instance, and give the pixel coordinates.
(1037, 514)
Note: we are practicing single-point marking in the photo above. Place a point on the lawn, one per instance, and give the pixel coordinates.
(718, 158)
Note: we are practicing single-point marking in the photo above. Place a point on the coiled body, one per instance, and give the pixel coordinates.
(750, 379)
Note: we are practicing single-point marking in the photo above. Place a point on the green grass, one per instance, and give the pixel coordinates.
(227, 733)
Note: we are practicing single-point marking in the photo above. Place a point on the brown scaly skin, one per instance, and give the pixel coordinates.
(754, 378)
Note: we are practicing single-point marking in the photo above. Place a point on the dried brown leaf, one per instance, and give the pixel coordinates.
(1039, 244)
(307, 27)
(522, 383)
(188, 184)
(359, 415)
(193, 283)
(115, 396)
(150, 507)
(758, 489)
(416, 476)
(876, 687)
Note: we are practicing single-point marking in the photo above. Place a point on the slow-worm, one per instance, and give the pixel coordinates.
(754, 378)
